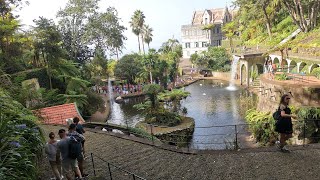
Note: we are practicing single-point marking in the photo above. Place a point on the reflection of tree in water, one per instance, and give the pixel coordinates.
(127, 106)
(246, 101)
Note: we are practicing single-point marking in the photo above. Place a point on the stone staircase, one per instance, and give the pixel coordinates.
(256, 83)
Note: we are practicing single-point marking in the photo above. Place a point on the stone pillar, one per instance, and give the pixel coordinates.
(248, 73)
(298, 67)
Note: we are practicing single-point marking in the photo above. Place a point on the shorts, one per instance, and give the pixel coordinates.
(69, 165)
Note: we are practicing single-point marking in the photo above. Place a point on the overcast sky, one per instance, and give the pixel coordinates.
(164, 16)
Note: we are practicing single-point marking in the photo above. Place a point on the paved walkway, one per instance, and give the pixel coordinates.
(153, 163)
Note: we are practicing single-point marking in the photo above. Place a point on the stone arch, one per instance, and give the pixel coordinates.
(301, 66)
(243, 73)
(293, 67)
(276, 61)
(313, 66)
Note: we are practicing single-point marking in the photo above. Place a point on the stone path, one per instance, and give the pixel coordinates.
(153, 163)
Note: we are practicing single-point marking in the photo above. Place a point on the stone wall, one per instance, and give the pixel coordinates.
(270, 92)
(221, 75)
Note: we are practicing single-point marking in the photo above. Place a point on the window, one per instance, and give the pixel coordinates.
(187, 32)
(218, 29)
(219, 43)
(204, 44)
(187, 45)
(206, 21)
(196, 44)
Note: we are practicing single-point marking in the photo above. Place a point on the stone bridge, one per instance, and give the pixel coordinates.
(254, 60)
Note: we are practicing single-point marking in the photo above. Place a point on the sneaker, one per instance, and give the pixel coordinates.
(278, 144)
(85, 175)
(285, 149)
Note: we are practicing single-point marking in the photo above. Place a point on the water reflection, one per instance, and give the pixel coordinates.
(124, 113)
(218, 107)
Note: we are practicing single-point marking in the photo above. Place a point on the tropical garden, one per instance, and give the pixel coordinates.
(56, 63)
(265, 24)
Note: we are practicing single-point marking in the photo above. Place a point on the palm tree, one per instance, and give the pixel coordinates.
(136, 23)
(147, 34)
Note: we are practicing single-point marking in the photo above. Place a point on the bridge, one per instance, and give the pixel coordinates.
(253, 59)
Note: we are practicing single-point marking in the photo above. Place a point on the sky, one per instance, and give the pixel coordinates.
(164, 16)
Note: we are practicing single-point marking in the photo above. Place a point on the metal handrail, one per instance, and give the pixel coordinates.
(134, 176)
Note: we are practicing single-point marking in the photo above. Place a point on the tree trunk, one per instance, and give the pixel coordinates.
(268, 21)
(139, 43)
(148, 46)
(50, 78)
(142, 43)
(117, 54)
(150, 77)
(292, 12)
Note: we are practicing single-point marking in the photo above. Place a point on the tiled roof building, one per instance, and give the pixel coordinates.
(59, 114)
(196, 39)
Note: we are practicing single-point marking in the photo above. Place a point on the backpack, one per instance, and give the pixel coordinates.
(277, 114)
(74, 147)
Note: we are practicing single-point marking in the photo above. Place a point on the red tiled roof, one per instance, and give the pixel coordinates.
(58, 114)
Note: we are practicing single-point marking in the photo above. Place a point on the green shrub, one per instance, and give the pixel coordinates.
(316, 72)
(309, 123)
(163, 118)
(281, 77)
(21, 140)
(261, 125)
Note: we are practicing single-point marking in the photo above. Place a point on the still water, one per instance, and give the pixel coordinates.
(214, 109)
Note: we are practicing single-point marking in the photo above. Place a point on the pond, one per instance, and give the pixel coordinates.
(215, 110)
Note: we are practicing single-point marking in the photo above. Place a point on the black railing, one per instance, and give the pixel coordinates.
(216, 137)
(107, 170)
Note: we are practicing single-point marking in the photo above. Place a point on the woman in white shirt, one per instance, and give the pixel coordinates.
(53, 156)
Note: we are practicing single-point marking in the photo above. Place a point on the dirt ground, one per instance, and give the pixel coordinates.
(153, 163)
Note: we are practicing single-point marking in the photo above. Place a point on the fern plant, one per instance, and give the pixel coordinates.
(261, 124)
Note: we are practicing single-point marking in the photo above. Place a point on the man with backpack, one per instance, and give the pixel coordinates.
(75, 147)
(68, 164)
(80, 130)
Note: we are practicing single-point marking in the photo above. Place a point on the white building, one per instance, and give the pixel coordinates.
(195, 37)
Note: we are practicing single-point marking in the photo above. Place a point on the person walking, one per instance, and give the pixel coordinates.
(80, 130)
(68, 164)
(53, 156)
(79, 137)
(284, 124)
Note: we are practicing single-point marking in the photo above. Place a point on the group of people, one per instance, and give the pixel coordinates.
(270, 68)
(66, 156)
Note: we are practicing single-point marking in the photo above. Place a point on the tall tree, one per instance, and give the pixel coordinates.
(147, 30)
(104, 31)
(303, 12)
(263, 4)
(171, 51)
(73, 23)
(136, 23)
(230, 29)
(47, 44)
